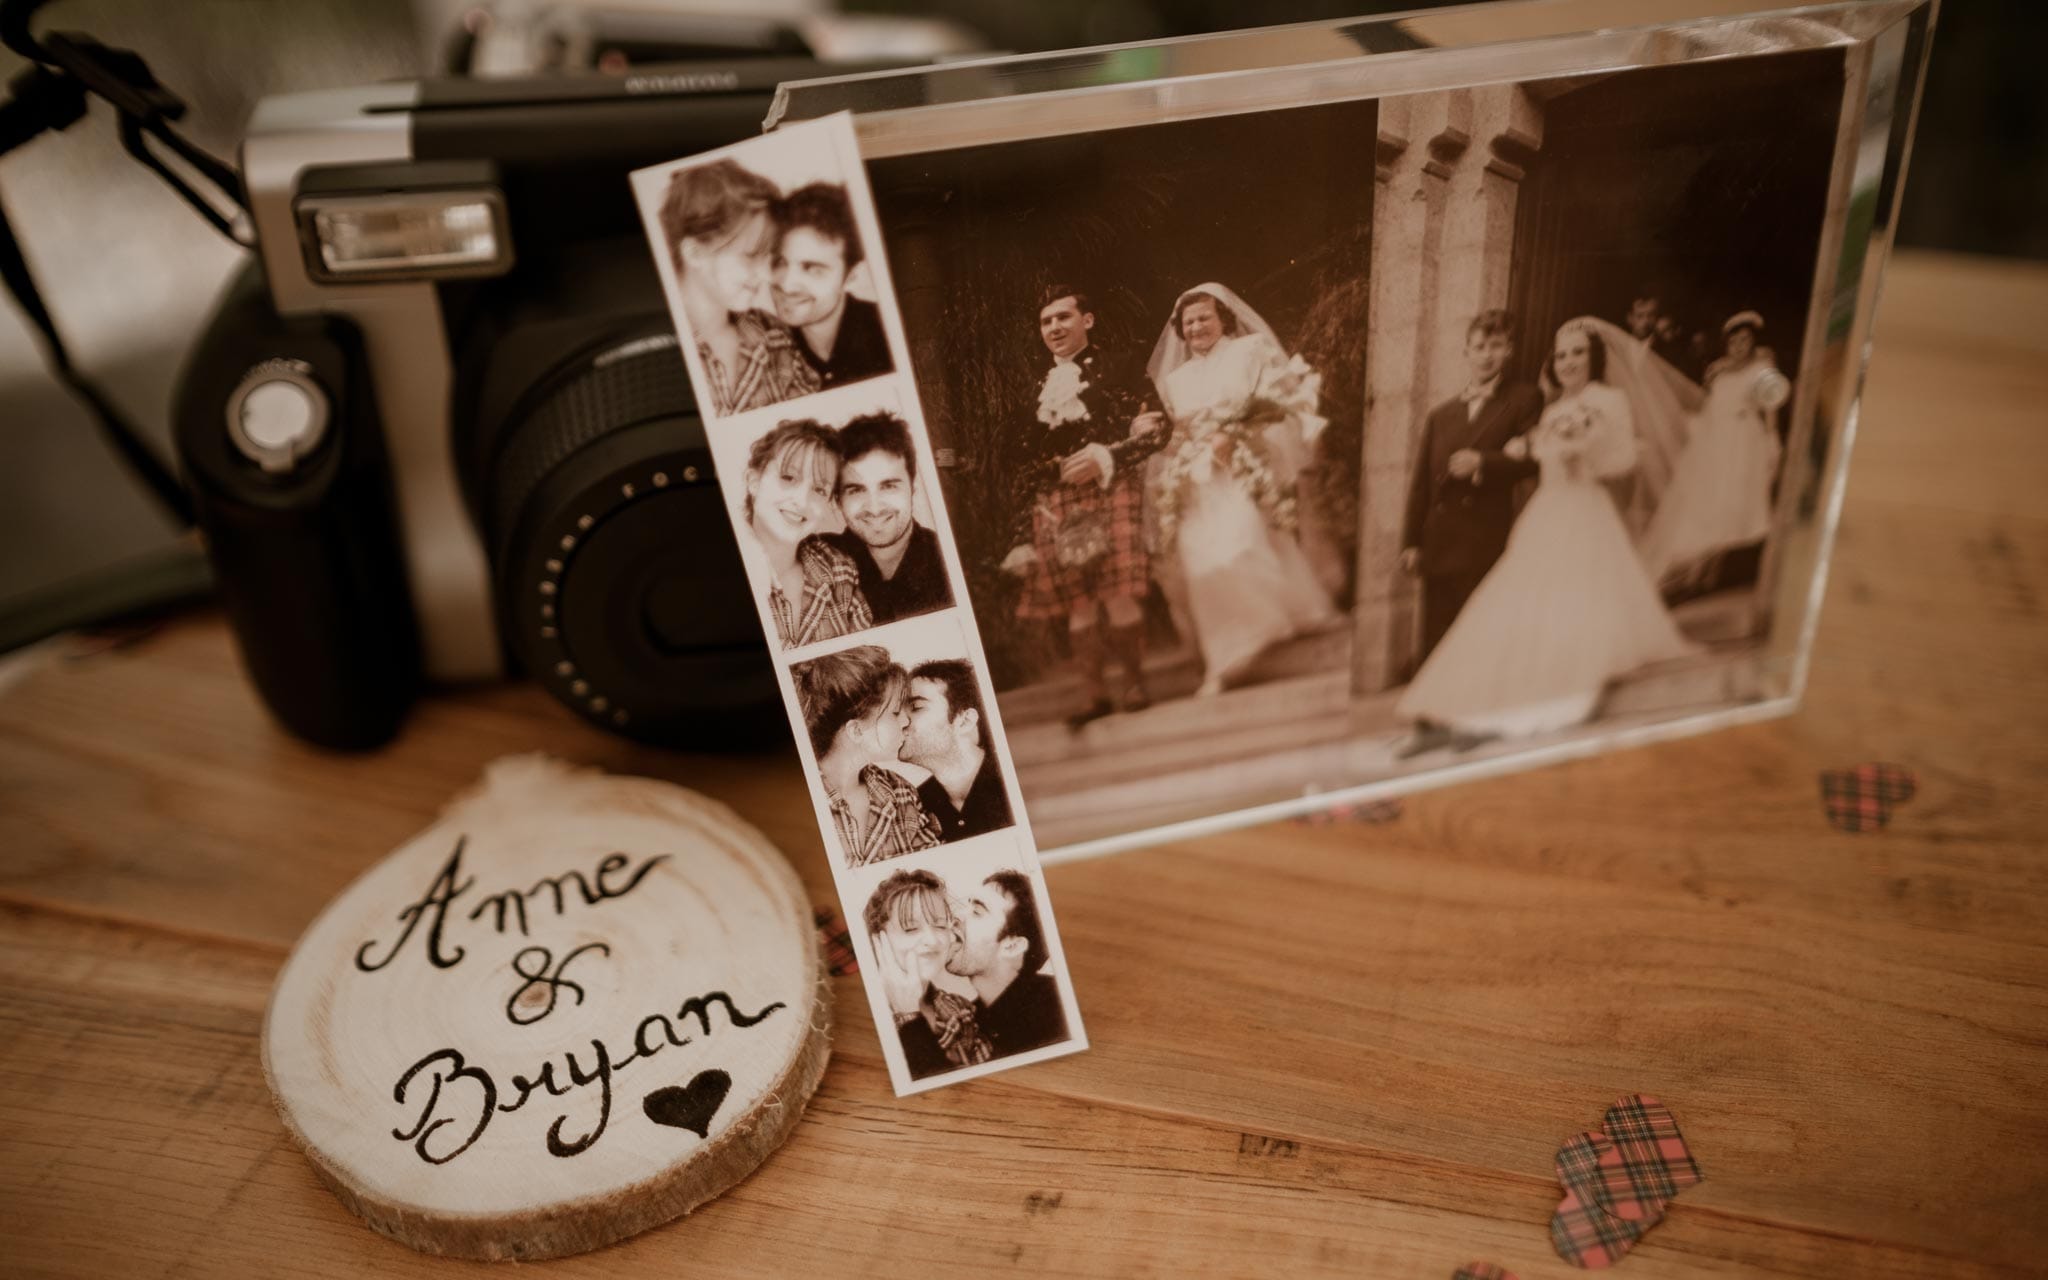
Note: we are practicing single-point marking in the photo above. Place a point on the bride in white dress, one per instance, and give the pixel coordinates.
(1244, 424)
(1567, 607)
(1720, 494)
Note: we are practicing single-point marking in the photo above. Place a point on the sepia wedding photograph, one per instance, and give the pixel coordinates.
(905, 753)
(766, 274)
(1483, 436)
(1144, 376)
(1584, 421)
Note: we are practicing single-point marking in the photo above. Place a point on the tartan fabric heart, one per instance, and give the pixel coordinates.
(1645, 1162)
(1483, 1271)
(1578, 1163)
(1617, 1182)
(1588, 1236)
(1862, 799)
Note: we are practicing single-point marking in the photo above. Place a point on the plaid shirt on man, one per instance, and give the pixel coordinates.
(897, 822)
(769, 370)
(832, 605)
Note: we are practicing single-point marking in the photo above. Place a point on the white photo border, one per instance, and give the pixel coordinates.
(832, 138)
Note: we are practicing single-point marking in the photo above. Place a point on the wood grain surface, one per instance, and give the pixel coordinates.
(1346, 1050)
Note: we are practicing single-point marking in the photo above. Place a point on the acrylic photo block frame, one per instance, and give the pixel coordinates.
(1452, 85)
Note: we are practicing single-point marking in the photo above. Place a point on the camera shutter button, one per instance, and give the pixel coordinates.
(277, 414)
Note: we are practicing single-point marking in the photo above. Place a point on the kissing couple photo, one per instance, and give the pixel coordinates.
(903, 748)
(963, 967)
(765, 281)
(834, 522)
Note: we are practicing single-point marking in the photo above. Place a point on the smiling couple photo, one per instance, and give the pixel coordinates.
(835, 521)
(769, 282)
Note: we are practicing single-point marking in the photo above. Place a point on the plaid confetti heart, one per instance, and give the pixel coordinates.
(1646, 1161)
(1586, 1235)
(1483, 1271)
(1578, 1164)
(836, 944)
(1862, 799)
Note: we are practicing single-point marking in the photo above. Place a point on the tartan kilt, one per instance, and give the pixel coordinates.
(1124, 570)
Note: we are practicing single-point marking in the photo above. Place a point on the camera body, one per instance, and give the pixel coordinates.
(439, 430)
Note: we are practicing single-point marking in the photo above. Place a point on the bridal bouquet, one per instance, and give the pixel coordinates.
(1244, 460)
(1573, 429)
(1298, 390)
(1233, 437)
(1770, 389)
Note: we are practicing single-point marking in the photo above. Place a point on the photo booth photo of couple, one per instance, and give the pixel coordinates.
(1547, 523)
(964, 967)
(834, 521)
(770, 284)
(903, 748)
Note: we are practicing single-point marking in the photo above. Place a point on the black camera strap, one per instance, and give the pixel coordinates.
(120, 433)
(65, 69)
(39, 101)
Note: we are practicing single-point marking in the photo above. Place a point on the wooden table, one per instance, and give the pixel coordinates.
(1346, 1050)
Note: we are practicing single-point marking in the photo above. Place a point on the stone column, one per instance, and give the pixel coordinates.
(1443, 238)
(1479, 232)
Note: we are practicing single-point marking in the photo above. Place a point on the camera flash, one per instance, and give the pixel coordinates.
(413, 235)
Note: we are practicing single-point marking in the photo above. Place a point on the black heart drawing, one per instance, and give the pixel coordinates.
(689, 1106)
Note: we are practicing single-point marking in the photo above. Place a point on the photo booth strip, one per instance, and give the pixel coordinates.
(826, 150)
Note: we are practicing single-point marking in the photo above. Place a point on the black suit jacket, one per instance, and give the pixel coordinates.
(1459, 526)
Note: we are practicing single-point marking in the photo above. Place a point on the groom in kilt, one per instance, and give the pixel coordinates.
(1079, 523)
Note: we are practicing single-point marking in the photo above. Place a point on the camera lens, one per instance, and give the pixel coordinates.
(619, 581)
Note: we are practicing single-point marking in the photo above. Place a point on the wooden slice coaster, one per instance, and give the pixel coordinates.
(574, 1008)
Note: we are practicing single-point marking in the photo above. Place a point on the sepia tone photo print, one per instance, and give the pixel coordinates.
(1478, 427)
(903, 746)
(1144, 374)
(766, 274)
(964, 959)
(833, 522)
(1581, 420)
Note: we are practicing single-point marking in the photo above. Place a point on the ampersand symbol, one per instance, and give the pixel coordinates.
(544, 980)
